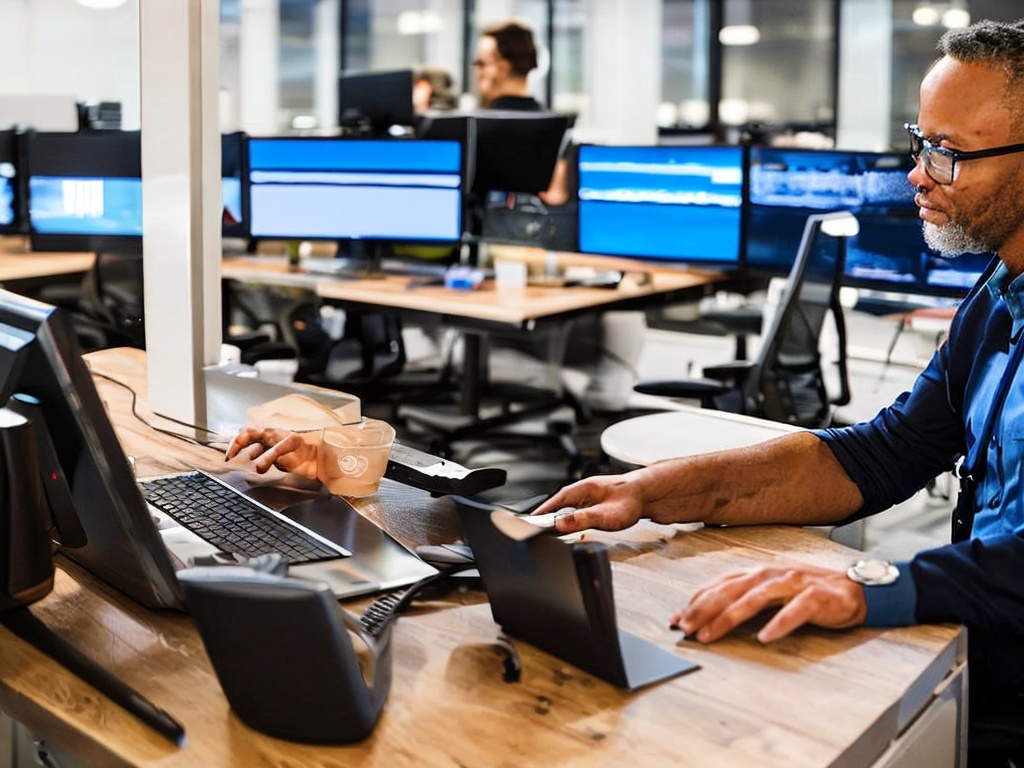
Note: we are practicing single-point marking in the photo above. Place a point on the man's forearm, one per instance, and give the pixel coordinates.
(792, 479)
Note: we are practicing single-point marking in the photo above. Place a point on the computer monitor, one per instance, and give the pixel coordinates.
(397, 190)
(85, 191)
(12, 185)
(234, 172)
(41, 363)
(667, 203)
(507, 151)
(371, 103)
(889, 253)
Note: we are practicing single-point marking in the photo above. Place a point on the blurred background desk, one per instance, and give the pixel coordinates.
(865, 697)
(531, 311)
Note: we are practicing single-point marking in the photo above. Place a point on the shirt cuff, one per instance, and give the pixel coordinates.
(892, 605)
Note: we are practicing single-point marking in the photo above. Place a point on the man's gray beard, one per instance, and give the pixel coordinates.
(952, 240)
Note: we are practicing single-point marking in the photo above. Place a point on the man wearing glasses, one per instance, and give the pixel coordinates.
(969, 150)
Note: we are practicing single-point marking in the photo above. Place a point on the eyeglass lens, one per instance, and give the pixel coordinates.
(938, 164)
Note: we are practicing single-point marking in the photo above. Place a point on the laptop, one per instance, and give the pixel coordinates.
(558, 596)
(87, 477)
(356, 557)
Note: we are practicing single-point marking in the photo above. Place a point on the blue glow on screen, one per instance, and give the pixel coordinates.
(6, 201)
(85, 206)
(661, 202)
(787, 185)
(406, 190)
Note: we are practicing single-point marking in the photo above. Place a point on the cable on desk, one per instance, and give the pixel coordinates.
(162, 430)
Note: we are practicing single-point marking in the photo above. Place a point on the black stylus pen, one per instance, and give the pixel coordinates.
(30, 629)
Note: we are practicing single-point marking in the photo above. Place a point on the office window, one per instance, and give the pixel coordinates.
(568, 81)
(403, 34)
(917, 27)
(685, 65)
(779, 63)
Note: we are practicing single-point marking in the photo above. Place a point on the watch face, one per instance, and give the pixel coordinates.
(873, 572)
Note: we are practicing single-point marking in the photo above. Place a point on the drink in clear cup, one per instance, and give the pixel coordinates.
(351, 458)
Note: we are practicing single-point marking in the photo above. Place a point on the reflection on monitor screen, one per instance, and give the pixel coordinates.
(388, 190)
(10, 190)
(787, 185)
(85, 191)
(680, 203)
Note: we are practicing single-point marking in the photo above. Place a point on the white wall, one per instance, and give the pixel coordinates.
(61, 47)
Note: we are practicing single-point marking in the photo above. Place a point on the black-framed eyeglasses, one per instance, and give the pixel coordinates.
(940, 162)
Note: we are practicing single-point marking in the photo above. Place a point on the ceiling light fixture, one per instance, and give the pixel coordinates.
(101, 5)
(956, 18)
(739, 34)
(926, 15)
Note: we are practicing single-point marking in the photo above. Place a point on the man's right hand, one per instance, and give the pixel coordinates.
(605, 502)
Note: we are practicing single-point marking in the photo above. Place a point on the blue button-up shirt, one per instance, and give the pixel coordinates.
(979, 582)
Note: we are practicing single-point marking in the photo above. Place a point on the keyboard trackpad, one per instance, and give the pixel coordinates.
(335, 519)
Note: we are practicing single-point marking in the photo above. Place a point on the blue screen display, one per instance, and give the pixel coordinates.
(6, 199)
(85, 206)
(396, 190)
(787, 185)
(661, 202)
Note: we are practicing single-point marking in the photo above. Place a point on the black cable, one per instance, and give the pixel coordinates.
(162, 430)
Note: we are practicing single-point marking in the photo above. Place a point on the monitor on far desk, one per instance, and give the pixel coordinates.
(888, 254)
(662, 203)
(13, 213)
(365, 194)
(85, 191)
(375, 103)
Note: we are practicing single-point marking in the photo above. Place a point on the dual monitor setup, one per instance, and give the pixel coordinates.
(83, 191)
(734, 206)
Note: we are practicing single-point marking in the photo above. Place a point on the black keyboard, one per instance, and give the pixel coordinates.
(381, 612)
(231, 521)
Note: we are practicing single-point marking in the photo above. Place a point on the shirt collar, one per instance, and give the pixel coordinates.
(1012, 293)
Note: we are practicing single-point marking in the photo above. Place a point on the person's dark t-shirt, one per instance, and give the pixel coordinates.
(517, 103)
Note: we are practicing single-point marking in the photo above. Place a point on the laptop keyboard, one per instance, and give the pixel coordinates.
(230, 520)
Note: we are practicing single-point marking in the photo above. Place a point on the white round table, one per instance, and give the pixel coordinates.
(642, 440)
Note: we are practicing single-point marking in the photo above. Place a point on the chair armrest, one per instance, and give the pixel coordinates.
(735, 371)
(695, 389)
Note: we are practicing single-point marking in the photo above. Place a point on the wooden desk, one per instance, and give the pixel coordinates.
(820, 698)
(19, 266)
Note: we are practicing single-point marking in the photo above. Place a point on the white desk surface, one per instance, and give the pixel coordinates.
(645, 439)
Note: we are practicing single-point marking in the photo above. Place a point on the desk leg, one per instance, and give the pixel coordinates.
(472, 374)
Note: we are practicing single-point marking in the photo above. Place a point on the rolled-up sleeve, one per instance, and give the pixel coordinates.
(896, 453)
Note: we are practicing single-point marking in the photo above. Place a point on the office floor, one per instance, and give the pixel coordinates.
(538, 465)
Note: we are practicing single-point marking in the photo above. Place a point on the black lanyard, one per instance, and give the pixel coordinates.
(973, 467)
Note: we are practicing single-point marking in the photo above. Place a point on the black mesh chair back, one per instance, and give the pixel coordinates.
(787, 382)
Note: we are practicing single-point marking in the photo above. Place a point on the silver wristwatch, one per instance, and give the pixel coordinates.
(873, 573)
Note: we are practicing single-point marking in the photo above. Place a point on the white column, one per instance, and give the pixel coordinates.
(178, 44)
(865, 75)
(258, 65)
(622, 72)
(327, 48)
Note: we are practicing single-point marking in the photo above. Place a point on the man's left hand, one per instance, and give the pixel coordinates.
(807, 595)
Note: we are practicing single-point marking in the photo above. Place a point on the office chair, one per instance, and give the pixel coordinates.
(785, 382)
